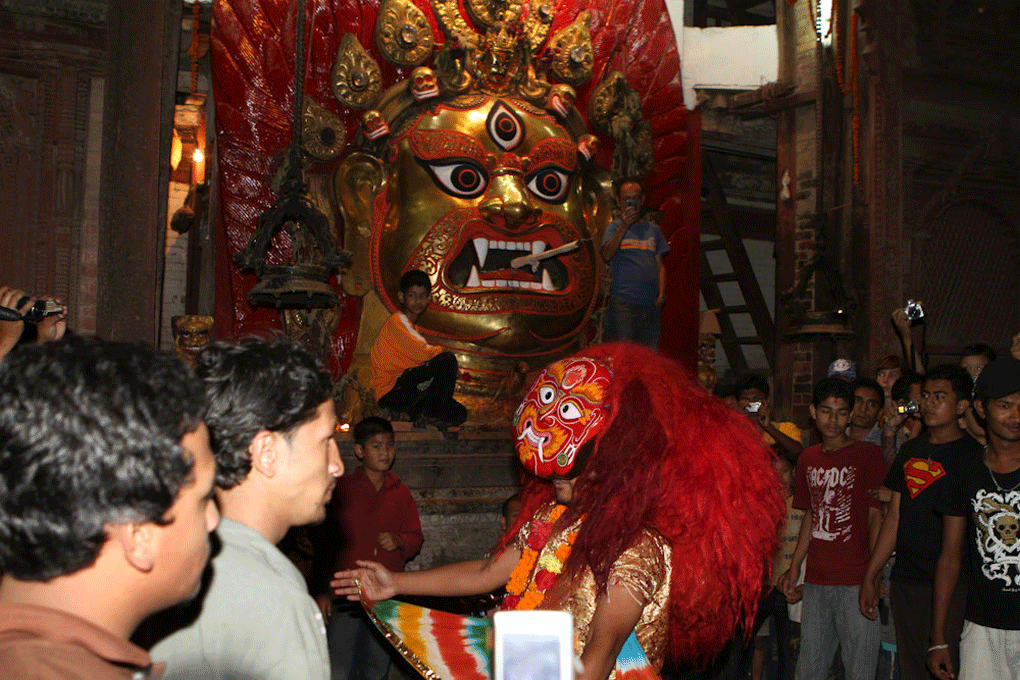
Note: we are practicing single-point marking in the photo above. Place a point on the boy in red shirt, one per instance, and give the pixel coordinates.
(839, 528)
(377, 520)
(408, 374)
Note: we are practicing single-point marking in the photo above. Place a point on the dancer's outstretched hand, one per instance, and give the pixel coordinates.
(375, 580)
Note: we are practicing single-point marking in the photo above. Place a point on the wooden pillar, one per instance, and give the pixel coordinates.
(796, 206)
(141, 79)
(885, 24)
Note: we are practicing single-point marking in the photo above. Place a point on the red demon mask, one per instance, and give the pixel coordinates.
(564, 409)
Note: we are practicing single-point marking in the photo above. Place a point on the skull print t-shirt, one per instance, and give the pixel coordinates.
(992, 508)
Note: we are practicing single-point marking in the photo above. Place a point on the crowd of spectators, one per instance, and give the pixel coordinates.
(900, 549)
(869, 560)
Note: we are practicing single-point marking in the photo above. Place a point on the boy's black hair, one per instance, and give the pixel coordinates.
(90, 434)
(723, 390)
(505, 508)
(370, 427)
(979, 349)
(753, 381)
(871, 384)
(957, 376)
(414, 277)
(901, 388)
(256, 385)
(833, 387)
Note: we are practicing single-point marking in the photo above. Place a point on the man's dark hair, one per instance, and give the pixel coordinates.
(958, 377)
(833, 387)
(256, 385)
(90, 434)
(370, 427)
(901, 388)
(753, 381)
(871, 384)
(979, 349)
(414, 277)
(889, 361)
(620, 183)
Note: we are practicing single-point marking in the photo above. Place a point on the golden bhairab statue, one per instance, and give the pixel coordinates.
(471, 170)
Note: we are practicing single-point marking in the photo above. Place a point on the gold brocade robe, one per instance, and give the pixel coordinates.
(644, 570)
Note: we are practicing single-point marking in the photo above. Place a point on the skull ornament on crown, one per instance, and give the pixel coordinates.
(374, 125)
(424, 84)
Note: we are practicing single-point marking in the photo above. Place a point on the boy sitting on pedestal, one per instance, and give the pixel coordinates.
(408, 374)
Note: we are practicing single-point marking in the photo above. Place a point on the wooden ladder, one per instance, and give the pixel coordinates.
(742, 273)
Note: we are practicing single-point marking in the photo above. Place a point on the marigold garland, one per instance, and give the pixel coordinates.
(524, 590)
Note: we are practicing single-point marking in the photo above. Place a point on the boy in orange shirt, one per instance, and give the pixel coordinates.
(408, 374)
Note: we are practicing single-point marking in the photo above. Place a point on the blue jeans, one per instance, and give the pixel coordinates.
(830, 618)
(627, 321)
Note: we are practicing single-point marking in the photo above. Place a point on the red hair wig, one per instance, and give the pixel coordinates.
(678, 460)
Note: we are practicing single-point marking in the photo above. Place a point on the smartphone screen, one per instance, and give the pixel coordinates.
(531, 657)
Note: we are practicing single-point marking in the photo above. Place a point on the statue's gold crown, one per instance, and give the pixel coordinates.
(509, 52)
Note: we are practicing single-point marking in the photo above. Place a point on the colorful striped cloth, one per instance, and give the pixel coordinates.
(444, 646)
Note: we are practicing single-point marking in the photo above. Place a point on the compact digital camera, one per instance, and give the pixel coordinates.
(909, 407)
(40, 310)
(914, 311)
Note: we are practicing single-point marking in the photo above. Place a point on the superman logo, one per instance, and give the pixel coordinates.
(920, 473)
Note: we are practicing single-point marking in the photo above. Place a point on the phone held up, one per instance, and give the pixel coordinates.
(533, 645)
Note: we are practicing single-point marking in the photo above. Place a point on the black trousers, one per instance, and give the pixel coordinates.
(427, 390)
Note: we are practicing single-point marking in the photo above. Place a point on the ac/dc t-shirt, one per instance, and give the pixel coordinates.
(921, 473)
(834, 486)
(992, 508)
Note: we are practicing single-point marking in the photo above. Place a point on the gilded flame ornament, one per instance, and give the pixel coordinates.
(454, 26)
(356, 78)
(323, 135)
(539, 22)
(487, 12)
(572, 51)
(403, 34)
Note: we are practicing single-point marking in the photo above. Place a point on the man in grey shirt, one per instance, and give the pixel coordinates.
(271, 422)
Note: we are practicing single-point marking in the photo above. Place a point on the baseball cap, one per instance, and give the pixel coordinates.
(998, 378)
(843, 368)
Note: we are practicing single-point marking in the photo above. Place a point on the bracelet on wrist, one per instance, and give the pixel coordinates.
(934, 647)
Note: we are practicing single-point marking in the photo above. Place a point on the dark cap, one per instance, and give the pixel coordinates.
(999, 378)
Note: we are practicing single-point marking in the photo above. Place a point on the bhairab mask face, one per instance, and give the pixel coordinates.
(473, 185)
(565, 408)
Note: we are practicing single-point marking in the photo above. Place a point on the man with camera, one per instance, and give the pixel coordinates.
(920, 475)
(753, 401)
(633, 248)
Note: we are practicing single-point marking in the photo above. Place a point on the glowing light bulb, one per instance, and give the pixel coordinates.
(198, 156)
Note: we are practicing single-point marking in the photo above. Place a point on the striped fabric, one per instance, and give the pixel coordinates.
(444, 646)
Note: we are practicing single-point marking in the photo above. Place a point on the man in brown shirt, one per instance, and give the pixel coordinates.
(105, 504)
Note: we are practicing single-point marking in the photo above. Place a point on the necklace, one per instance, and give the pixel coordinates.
(996, 481)
(526, 590)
